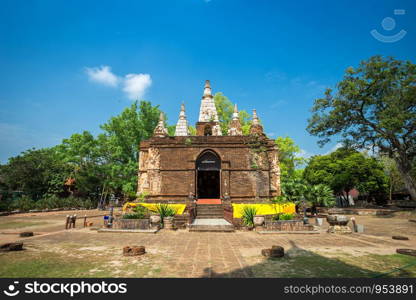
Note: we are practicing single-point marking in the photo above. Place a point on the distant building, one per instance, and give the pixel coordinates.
(210, 167)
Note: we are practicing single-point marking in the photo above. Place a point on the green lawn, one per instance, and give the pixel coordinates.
(20, 224)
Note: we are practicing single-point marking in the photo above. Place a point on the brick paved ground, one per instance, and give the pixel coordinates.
(195, 254)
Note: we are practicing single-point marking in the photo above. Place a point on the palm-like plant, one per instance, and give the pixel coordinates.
(248, 215)
(293, 190)
(164, 210)
(319, 195)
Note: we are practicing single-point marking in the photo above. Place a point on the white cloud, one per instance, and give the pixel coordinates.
(304, 154)
(102, 75)
(135, 85)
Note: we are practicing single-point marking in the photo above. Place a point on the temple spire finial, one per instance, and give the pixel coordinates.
(235, 113)
(256, 127)
(234, 127)
(255, 118)
(160, 130)
(207, 89)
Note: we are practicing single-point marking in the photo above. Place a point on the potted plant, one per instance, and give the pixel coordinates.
(248, 214)
(166, 214)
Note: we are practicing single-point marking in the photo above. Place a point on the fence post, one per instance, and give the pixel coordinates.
(67, 222)
(74, 220)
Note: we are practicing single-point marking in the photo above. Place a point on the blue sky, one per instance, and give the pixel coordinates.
(68, 66)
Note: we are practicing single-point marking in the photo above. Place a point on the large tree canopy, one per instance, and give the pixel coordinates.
(106, 163)
(374, 106)
(346, 169)
(35, 172)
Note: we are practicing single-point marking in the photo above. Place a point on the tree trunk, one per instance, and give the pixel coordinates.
(405, 167)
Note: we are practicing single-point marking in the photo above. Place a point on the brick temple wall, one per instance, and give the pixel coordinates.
(167, 167)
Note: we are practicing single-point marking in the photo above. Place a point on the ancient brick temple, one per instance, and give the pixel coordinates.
(210, 166)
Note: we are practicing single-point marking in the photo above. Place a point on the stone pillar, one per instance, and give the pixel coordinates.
(153, 169)
(274, 172)
(143, 182)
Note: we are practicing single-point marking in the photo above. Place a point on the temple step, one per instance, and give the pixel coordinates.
(209, 211)
(211, 225)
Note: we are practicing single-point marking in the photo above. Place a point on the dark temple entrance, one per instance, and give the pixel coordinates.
(208, 167)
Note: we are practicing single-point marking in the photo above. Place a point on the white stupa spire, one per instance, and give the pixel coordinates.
(207, 111)
(182, 125)
(255, 118)
(235, 113)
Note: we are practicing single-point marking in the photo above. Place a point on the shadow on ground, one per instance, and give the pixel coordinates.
(299, 262)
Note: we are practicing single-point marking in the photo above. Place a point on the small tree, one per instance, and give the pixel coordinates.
(344, 170)
(319, 195)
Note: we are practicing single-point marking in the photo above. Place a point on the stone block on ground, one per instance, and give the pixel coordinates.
(339, 229)
(400, 237)
(134, 250)
(11, 247)
(411, 252)
(275, 251)
(26, 234)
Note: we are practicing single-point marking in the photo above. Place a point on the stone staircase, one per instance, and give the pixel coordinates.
(209, 211)
(210, 218)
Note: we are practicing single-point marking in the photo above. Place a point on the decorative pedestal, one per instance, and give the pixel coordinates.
(168, 223)
(338, 224)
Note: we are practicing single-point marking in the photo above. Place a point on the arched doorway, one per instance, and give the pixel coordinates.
(208, 173)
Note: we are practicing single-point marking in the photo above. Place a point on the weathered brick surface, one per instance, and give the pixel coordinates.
(167, 167)
(292, 225)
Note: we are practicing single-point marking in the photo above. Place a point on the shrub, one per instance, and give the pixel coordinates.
(284, 216)
(142, 196)
(23, 203)
(280, 200)
(248, 215)
(87, 204)
(132, 216)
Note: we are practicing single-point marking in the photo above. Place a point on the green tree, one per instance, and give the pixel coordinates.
(82, 155)
(192, 130)
(394, 178)
(293, 190)
(119, 144)
(225, 109)
(289, 156)
(36, 172)
(345, 169)
(374, 106)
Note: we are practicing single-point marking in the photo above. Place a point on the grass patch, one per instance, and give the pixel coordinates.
(46, 264)
(314, 265)
(39, 263)
(20, 224)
